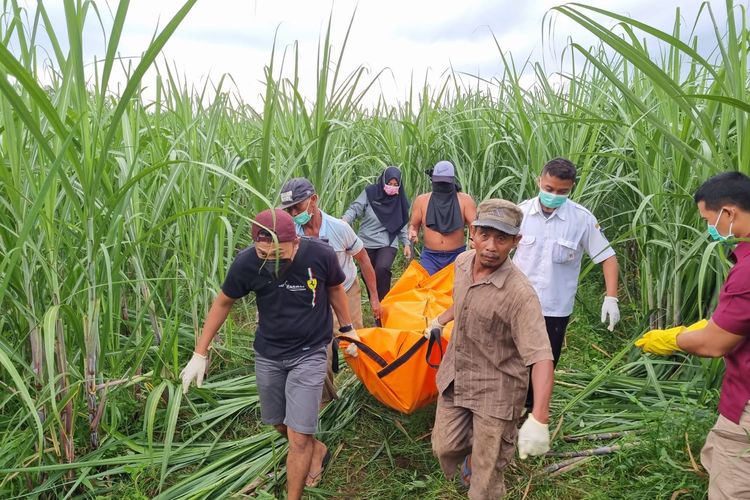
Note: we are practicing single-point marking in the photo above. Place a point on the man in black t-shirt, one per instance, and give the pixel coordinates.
(296, 282)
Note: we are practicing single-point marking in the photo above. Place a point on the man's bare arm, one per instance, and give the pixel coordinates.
(709, 342)
(214, 319)
(469, 209)
(340, 303)
(415, 223)
(542, 380)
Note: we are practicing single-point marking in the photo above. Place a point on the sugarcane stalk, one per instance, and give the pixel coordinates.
(125, 315)
(563, 466)
(146, 293)
(37, 363)
(66, 431)
(602, 450)
(100, 410)
(649, 293)
(151, 313)
(91, 336)
(128, 380)
(37, 366)
(604, 436)
(37, 346)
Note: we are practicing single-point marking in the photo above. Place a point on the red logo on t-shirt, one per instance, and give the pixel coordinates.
(312, 284)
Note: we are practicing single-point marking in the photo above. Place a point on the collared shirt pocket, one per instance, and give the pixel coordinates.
(565, 251)
(523, 256)
(527, 240)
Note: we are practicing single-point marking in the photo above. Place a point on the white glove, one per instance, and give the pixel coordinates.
(533, 438)
(610, 308)
(434, 324)
(194, 370)
(351, 349)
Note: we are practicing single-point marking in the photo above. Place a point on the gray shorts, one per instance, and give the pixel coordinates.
(290, 389)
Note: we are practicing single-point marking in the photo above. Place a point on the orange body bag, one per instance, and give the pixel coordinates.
(396, 363)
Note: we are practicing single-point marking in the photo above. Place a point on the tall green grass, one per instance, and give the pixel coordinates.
(120, 215)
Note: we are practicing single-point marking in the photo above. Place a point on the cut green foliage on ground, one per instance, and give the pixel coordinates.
(656, 442)
(121, 209)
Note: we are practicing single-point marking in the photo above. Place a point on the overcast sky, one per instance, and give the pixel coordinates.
(406, 38)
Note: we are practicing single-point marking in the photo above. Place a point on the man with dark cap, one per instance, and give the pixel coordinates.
(443, 213)
(498, 337)
(296, 281)
(299, 199)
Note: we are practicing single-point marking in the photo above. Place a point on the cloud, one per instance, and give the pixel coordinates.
(412, 40)
(478, 19)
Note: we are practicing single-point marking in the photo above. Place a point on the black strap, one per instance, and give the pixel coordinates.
(403, 358)
(398, 362)
(365, 349)
(335, 355)
(435, 339)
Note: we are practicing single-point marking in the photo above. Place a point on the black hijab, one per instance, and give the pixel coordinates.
(443, 210)
(391, 211)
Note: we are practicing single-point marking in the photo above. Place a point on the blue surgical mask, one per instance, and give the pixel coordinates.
(303, 218)
(714, 233)
(551, 200)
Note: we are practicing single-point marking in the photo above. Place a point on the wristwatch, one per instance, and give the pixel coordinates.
(346, 328)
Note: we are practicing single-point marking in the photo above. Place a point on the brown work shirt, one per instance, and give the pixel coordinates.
(498, 333)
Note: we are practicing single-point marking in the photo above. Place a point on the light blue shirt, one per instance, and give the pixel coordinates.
(344, 241)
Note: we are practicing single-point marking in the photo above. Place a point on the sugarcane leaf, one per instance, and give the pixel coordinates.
(23, 393)
(173, 411)
(49, 329)
(150, 412)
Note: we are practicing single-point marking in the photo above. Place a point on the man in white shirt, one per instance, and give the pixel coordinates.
(556, 231)
(299, 199)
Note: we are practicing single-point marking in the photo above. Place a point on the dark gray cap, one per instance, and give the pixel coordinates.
(499, 214)
(295, 190)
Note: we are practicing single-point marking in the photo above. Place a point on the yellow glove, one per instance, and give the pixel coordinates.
(664, 342)
(700, 325)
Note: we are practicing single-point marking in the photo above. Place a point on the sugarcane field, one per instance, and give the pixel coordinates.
(376, 250)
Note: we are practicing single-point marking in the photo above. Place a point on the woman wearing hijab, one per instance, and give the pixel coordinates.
(384, 209)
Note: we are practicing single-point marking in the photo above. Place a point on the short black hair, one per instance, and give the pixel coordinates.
(726, 188)
(562, 168)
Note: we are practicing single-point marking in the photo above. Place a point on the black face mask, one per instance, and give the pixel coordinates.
(276, 266)
(443, 210)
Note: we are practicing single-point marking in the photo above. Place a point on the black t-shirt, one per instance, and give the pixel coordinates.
(295, 314)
